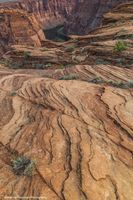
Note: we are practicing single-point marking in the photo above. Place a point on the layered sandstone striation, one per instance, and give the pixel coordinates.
(78, 16)
(79, 134)
(96, 48)
(48, 13)
(69, 108)
(88, 15)
(18, 27)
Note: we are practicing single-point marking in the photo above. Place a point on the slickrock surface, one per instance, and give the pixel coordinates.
(18, 27)
(96, 48)
(78, 133)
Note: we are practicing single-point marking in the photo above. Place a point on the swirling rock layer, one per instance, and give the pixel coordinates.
(22, 22)
(48, 13)
(78, 133)
(17, 27)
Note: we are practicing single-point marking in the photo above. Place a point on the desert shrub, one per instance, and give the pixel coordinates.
(7, 63)
(17, 65)
(2, 18)
(48, 65)
(26, 54)
(74, 40)
(59, 39)
(113, 24)
(123, 85)
(69, 48)
(120, 61)
(120, 46)
(38, 65)
(13, 93)
(45, 49)
(63, 66)
(97, 80)
(41, 65)
(100, 61)
(13, 64)
(69, 77)
(130, 36)
(22, 166)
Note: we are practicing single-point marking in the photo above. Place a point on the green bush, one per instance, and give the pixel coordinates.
(26, 54)
(97, 80)
(120, 46)
(70, 48)
(100, 61)
(17, 65)
(41, 65)
(48, 65)
(22, 166)
(121, 61)
(38, 65)
(13, 93)
(69, 77)
(123, 85)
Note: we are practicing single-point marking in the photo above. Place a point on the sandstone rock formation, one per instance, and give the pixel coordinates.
(18, 27)
(96, 48)
(78, 133)
(48, 13)
(88, 15)
(79, 16)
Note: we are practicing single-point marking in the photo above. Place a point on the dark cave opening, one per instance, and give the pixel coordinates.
(57, 34)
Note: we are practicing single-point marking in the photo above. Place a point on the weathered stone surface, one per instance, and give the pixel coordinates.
(19, 27)
(80, 134)
(80, 17)
(36, 15)
(94, 49)
(88, 15)
(49, 13)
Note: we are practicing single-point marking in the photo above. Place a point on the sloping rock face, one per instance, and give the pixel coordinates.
(79, 17)
(79, 134)
(88, 15)
(49, 13)
(100, 47)
(18, 27)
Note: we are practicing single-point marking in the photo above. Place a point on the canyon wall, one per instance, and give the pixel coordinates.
(49, 13)
(22, 22)
(79, 16)
(66, 116)
(88, 15)
(18, 27)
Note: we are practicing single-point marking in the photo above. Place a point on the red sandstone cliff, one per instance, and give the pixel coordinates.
(70, 139)
(48, 13)
(88, 15)
(80, 16)
(18, 27)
